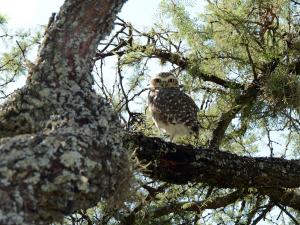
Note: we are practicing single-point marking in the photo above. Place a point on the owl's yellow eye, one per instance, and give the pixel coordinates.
(171, 80)
(157, 80)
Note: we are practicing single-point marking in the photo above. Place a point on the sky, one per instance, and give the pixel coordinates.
(28, 13)
(31, 13)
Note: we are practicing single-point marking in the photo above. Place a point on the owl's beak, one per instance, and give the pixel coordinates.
(164, 84)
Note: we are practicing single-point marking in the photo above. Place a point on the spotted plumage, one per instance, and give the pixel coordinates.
(172, 110)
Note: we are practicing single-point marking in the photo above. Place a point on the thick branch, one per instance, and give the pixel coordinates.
(287, 197)
(84, 24)
(63, 66)
(225, 119)
(53, 173)
(213, 203)
(182, 164)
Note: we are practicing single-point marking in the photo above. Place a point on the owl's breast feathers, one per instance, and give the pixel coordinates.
(173, 110)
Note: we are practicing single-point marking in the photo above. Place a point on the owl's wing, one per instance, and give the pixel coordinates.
(174, 106)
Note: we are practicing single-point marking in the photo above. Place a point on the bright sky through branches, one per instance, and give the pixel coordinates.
(29, 13)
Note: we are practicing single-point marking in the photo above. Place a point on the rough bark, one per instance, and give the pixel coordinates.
(182, 164)
(61, 147)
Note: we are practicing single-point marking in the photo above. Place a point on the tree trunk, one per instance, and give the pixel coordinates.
(61, 147)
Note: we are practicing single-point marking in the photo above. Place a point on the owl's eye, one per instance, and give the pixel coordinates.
(171, 80)
(156, 80)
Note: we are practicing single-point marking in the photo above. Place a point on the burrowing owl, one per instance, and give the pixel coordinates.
(172, 110)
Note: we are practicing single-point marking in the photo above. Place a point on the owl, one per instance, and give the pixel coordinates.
(171, 109)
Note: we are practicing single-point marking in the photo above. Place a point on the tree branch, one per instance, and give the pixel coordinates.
(225, 119)
(211, 203)
(64, 61)
(287, 197)
(53, 173)
(184, 163)
(245, 99)
(174, 58)
(180, 164)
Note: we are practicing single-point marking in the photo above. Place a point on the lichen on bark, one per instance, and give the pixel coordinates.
(61, 146)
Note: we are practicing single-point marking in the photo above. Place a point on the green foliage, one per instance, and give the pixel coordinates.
(283, 90)
(2, 20)
(15, 48)
(240, 61)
